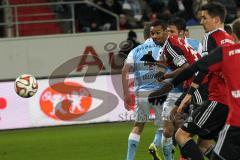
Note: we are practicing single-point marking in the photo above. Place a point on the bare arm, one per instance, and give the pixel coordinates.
(125, 79)
(175, 72)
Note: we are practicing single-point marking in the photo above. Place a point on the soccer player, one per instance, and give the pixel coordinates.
(206, 122)
(140, 61)
(225, 59)
(176, 29)
(209, 119)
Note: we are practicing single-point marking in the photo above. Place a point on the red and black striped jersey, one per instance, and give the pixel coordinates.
(177, 52)
(216, 84)
(227, 59)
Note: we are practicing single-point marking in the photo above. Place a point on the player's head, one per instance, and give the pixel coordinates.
(236, 29)
(213, 15)
(146, 30)
(176, 26)
(228, 28)
(159, 31)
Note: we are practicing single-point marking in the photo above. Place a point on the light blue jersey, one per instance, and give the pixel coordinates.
(144, 75)
(195, 44)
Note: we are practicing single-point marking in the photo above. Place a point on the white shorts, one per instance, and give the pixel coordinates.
(142, 112)
(168, 105)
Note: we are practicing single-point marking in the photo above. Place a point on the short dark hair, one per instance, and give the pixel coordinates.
(228, 28)
(161, 23)
(215, 9)
(147, 30)
(178, 22)
(236, 27)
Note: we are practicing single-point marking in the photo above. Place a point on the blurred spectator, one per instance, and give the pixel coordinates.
(85, 16)
(165, 14)
(183, 9)
(109, 21)
(1, 21)
(123, 22)
(238, 12)
(197, 4)
(112, 5)
(130, 43)
(157, 5)
(176, 7)
(231, 7)
(133, 11)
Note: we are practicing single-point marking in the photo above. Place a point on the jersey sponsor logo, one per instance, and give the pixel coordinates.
(148, 76)
(236, 94)
(224, 41)
(233, 52)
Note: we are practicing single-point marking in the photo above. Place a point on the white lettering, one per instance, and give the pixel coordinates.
(226, 41)
(236, 94)
(233, 52)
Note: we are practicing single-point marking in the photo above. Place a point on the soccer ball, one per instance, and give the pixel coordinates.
(26, 85)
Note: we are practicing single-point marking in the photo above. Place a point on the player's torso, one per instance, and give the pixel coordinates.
(144, 74)
(216, 85)
(178, 52)
(230, 69)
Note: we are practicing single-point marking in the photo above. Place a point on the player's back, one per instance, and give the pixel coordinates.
(230, 69)
(216, 85)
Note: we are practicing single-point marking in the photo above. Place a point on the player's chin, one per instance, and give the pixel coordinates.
(157, 41)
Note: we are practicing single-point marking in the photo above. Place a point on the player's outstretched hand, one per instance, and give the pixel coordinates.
(173, 113)
(166, 88)
(185, 102)
(159, 76)
(127, 102)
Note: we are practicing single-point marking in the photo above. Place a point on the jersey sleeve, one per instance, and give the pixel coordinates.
(209, 44)
(130, 59)
(203, 66)
(175, 54)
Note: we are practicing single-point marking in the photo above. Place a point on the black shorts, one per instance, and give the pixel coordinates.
(199, 96)
(207, 121)
(228, 144)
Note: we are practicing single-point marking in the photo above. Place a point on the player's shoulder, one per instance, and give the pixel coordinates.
(173, 41)
(194, 41)
(220, 33)
(235, 46)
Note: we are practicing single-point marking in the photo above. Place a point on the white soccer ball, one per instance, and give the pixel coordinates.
(26, 85)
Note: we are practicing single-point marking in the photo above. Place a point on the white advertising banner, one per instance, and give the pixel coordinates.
(72, 101)
(42, 55)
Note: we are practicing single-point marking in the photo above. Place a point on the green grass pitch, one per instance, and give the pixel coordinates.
(106, 141)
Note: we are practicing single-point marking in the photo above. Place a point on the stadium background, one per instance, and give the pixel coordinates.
(24, 123)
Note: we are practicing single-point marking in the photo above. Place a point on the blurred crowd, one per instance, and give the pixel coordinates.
(134, 13)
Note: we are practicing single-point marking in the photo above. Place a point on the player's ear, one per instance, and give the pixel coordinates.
(217, 20)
